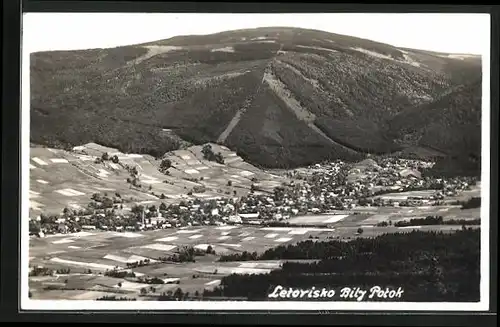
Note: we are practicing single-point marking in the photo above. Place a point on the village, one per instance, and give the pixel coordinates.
(314, 190)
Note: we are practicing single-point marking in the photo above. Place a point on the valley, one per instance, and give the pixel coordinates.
(214, 167)
(100, 231)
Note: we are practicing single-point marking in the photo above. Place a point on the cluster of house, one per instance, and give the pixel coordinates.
(318, 189)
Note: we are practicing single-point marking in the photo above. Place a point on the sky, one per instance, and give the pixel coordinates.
(450, 33)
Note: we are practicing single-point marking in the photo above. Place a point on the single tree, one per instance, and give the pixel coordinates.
(165, 165)
(163, 207)
(178, 293)
(219, 158)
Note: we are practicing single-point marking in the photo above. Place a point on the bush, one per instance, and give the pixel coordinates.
(119, 274)
(199, 189)
(474, 202)
(40, 271)
(210, 250)
(114, 298)
(153, 281)
(165, 165)
(163, 206)
(208, 154)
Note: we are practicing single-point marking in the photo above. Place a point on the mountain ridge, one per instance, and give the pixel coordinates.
(279, 97)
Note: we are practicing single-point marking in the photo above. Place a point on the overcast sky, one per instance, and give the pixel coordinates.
(453, 33)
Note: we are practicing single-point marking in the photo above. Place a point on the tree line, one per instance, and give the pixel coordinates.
(474, 202)
(436, 220)
(429, 266)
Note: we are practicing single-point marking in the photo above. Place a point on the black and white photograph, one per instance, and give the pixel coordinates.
(202, 161)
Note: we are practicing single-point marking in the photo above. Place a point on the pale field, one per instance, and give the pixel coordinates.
(60, 179)
(99, 251)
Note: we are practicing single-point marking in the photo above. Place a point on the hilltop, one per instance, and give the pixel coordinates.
(280, 97)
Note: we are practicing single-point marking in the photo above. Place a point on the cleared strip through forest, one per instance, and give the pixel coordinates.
(237, 117)
(301, 113)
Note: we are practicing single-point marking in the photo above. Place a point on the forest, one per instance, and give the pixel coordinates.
(115, 98)
(429, 266)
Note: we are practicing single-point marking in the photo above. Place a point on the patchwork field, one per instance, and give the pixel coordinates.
(90, 254)
(60, 179)
(69, 178)
(370, 216)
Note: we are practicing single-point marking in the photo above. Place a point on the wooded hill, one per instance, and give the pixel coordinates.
(280, 97)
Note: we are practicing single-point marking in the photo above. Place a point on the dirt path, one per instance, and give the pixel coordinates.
(153, 50)
(237, 117)
(300, 112)
(283, 93)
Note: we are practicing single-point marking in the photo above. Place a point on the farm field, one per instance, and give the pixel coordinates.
(90, 254)
(60, 178)
(405, 195)
(370, 216)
